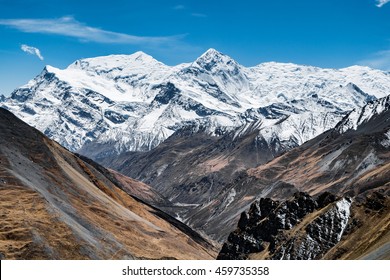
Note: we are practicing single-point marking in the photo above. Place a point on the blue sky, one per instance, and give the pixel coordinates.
(328, 33)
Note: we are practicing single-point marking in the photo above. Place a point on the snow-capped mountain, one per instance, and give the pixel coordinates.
(133, 102)
(354, 163)
(360, 116)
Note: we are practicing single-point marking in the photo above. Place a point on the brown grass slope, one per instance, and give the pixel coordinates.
(53, 205)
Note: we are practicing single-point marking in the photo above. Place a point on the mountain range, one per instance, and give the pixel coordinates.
(277, 161)
(108, 105)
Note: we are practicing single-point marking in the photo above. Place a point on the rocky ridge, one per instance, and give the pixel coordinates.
(304, 228)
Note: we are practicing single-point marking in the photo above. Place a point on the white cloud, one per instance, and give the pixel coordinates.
(68, 26)
(31, 50)
(380, 60)
(202, 15)
(179, 7)
(380, 3)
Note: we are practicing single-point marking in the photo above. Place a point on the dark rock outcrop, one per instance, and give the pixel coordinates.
(299, 228)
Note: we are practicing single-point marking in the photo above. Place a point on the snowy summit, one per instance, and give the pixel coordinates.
(134, 102)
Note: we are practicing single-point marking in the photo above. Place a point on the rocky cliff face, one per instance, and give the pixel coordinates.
(303, 228)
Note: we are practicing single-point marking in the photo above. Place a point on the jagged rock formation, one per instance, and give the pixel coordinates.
(55, 205)
(304, 228)
(273, 225)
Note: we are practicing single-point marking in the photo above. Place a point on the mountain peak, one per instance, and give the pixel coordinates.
(212, 52)
(50, 69)
(211, 58)
(140, 55)
(359, 116)
(118, 61)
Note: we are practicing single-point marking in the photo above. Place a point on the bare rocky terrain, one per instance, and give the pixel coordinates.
(303, 227)
(55, 205)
